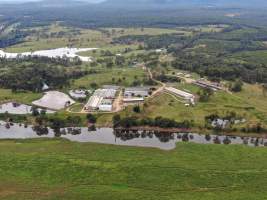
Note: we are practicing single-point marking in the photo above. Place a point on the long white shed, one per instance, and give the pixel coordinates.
(180, 93)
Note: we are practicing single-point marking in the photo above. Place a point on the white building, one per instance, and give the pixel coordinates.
(106, 105)
(136, 92)
(78, 94)
(93, 103)
(133, 101)
(106, 93)
(102, 100)
(182, 94)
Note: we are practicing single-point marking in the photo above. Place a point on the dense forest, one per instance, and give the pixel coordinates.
(32, 73)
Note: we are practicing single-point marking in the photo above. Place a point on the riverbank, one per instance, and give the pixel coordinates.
(202, 131)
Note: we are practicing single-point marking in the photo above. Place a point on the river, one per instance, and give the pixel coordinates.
(164, 141)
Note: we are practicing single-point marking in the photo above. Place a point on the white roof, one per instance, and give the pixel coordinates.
(105, 107)
(133, 99)
(179, 92)
(78, 94)
(94, 101)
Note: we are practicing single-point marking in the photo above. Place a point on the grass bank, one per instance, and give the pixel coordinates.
(58, 169)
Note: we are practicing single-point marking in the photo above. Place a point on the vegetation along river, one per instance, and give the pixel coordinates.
(164, 141)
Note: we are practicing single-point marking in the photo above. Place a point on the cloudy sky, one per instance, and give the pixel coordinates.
(9, 1)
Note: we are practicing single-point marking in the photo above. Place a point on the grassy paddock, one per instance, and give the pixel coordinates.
(21, 97)
(57, 169)
(105, 76)
(252, 107)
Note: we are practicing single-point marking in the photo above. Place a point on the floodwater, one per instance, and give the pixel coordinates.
(52, 53)
(18, 109)
(109, 136)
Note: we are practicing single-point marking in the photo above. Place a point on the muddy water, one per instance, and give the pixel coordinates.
(109, 136)
(18, 109)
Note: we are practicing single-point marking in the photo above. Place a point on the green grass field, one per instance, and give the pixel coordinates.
(112, 76)
(21, 97)
(57, 169)
(56, 36)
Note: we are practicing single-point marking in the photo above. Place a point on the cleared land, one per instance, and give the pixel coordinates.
(251, 107)
(119, 76)
(57, 36)
(57, 169)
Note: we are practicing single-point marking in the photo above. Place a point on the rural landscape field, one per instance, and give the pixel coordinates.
(133, 99)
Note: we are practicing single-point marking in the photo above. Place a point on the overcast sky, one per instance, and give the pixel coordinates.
(9, 1)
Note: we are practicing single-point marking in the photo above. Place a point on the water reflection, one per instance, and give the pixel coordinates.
(19, 109)
(166, 141)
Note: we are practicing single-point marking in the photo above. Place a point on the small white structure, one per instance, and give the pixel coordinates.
(54, 100)
(78, 94)
(45, 87)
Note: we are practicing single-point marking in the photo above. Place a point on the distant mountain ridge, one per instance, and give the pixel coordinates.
(145, 3)
(238, 3)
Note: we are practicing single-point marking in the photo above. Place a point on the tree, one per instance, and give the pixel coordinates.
(35, 111)
(205, 94)
(119, 60)
(43, 112)
(236, 86)
(73, 120)
(137, 109)
(94, 85)
(264, 89)
(91, 118)
(116, 120)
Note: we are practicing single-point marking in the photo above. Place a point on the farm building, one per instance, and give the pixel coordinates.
(106, 93)
(93, 103)
(206, 84)
(133, 101)
(78, 94)
(106, 105)
(111, 87)
(182, 94)
(102, 100)
(136, 92)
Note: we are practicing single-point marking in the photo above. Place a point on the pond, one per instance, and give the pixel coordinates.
(18, 109)
(164, 141)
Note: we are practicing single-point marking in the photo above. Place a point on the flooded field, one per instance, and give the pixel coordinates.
(164, 141)
(52, 53)
(18, 109)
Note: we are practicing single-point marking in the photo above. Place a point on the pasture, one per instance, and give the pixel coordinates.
(58, 169)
